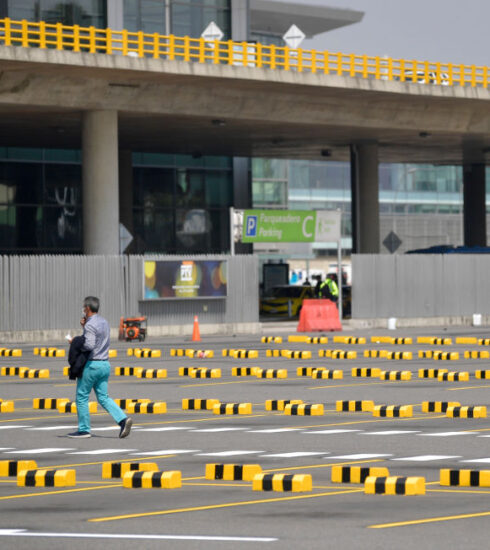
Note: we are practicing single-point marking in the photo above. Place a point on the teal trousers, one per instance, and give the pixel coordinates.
(95, 376)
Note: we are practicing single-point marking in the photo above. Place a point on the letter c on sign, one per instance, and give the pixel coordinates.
(304, 226)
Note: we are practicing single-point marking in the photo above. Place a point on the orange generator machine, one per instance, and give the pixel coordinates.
(132, 328)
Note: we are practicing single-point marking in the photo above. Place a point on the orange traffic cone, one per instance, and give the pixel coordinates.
(196, 337)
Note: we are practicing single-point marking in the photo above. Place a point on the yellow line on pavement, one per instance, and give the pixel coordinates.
(469, 387)
(64, 491)
(218, 383)
(247, 486)
(332, 387)
(310, 466)
(428, 520)
(469, 491)
(218, 506)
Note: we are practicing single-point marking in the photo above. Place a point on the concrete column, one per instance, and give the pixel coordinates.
(474, 207)
(365, 198)
(240, 20)
(126, 192)
(242, 194)
(100, 182)
(115, 14)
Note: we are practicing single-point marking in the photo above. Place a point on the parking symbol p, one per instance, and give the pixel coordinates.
(251, 230)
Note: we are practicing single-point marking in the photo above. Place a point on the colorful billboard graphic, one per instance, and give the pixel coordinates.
(184, 279)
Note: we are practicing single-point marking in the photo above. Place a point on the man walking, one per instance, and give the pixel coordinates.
(96, 371)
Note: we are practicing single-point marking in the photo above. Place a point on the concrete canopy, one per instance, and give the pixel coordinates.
(181, 107)
(273, 17)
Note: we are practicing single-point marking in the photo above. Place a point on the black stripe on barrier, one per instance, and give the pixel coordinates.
(49, 478)
(222, 408)
(400, 486)
(379, 485)
(346, 474)
(116, 469)
(30, 479)
(396, 410)
(42, 403)
(238, 472)
(474, 478)
(453, 477)
(12, 468)
(471, 411)
(219, 471)
(191, 404)
(156, 480)
(274, 405)
(137, 407)
(136, 480)
(307, 410)
(134, 466)
(363, 474)
(294, 409)
(150, 407)
(235, 408)
(287, 482)
(267, 482)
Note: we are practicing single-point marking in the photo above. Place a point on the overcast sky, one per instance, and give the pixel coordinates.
(456, 31)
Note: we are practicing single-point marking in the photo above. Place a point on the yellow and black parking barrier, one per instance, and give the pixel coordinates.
(34, 373)
(244, 354)
(394, 485)
(186, 371)
(271, 339)
(111, 470)
(232, 472)
(295, 483)
(337, 354)
(356, 474)
(199, 353)
(391, 340)
(152, 480)
(10, 468)
(464, 478)
(112, 353)
(304, 409)
(152, 373)
(244, 371)
(71, 407)
(205, 373)
(457, 376)
(46, 478)
(51, 352)
(396, 375)
(431, 373)
(177, 352)
(280, 404)
(484, 341)
(127, 371)
(482, 374)
(467, 412)
(466, 340)
(393, 411)
(273, 353)
(6, 352)
(349, 340)
(375, 353)
(271, 373)
(232, 408)
(12, 371)
(354, 406)
(307, 371)
(7, 406)
(399, 355)
(199, 404)
(290, 354)
(48, 402)
(123, 403)
(326, 374)
(366, 372)
(475, 354)
(434, 341)
(445, 355)
(438, 406)
(152, 407)
(147, 353)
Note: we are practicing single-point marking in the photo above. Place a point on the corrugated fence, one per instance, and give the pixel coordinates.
(420, 285)
(46, 292)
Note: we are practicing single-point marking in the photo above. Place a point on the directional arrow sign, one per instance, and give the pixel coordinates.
(294, 36)
(125, 238)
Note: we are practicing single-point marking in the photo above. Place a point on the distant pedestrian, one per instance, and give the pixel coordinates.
(328, 289)
(96, 333)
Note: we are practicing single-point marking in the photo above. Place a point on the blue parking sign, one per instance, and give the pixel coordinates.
(251, 230)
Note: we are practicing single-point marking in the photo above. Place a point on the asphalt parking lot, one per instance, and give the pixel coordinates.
(207, 513)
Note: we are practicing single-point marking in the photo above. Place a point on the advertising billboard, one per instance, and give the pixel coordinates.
(171, 279)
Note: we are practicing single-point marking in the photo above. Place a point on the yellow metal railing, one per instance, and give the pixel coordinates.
(138, 44)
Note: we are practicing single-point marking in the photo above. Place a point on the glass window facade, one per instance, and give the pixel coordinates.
(191, 17)
(69, 12)
(145, 15)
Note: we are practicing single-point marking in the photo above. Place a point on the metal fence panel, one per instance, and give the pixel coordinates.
(45, 292)
(419, 285)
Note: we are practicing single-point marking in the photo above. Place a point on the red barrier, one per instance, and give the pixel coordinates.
(318, 315)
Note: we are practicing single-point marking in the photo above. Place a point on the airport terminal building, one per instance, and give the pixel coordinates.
(70, 176)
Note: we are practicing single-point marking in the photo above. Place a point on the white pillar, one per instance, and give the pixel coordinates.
(100, 182)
